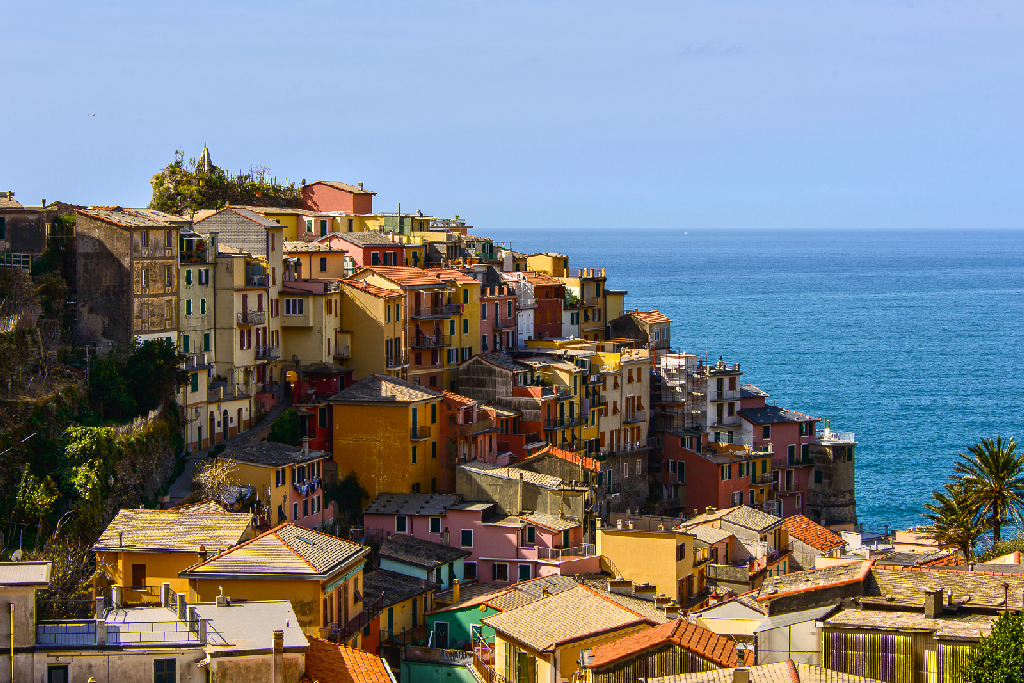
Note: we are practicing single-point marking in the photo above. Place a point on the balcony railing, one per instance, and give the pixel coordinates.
(256, 280)
(436, 311)
(371, 610)
(632, 446)
(764, 479)
(635, 416)
(562, 554)
(252, 318)
(726, 395)
(396, 361)
(419, 433)
(563, 422)
(267, 352)
(431, 341)
(505, 324)
(527, 302)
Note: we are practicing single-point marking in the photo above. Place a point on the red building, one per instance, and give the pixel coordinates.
(498, 318)
(330, 195)
(550, 295)
(314, 386)
(717, 475)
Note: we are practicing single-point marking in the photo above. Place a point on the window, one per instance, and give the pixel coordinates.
(525, 572)
(145, 276)
(323, 264)
(57, 673)
(401, 524)
(416, 487)
(499, 571)
(435, 525)
(817, 476)
(672, 466)
(375, 258)
(309, 225)
(433, 450)
(766, 432)
(295, 511)
(465, 326)
(451, 327)
(483, 341)
(433, 413)
(206, 335)
(469, 570)
(168, 277)
(483, 312)
(202, 306)
(293, 306)
(750, 498)
(279, 477)
(680, 552)
(144, 235)
(805, 451)
(466, 538)
(323, 230)
(413, 455)
(305, 508)
(682, 472)
(321, 421)
(531, 534)
(194, 380)
(799, 501)
(791, 454)
(272, 240)
(465, 295)
(188, 277)
(737, 498)
(188, 307)
(204, 276)
(508, 308)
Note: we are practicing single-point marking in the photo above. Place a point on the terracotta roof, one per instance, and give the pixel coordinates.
(569, 456)
(541, 279)
(374, 290)
(385, 389)
(180, 531)
(452, 274)
(327, 662)
(458, 400)
(551, 522)
(740, 515)
(779, 672)
(297, 247)
(788, 584)
(370, 238)
(530, 591)
(493, 470)
(812, 533)
(407, 276)
(420, 552)
(354, 189)
(503, 361)
(696, 639)
(583, 613)
(287, 549)
(651, 317)
(430, 504)
(644, 608)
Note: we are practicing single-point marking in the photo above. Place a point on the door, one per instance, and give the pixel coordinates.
(212, 430)
(239, 423)
(224, 424)
(138, 576)
(245, 306)
(391, 622)
(415, 419)
(343, 611)
(441, 634)
(57, 674)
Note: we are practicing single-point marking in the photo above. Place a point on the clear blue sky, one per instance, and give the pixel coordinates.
(536, 114)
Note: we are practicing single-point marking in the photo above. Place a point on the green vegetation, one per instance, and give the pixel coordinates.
(184, 187)
(999, 657)
(987, 491)
(134, 379)
(286, 429)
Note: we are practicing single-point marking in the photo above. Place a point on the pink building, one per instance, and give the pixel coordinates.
(376, 249)
(331, 195)
(498, 318)
(504, 548)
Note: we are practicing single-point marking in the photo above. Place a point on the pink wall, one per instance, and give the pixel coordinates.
(320, 197)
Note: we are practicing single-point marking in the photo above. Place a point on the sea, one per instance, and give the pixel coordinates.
(910, 339)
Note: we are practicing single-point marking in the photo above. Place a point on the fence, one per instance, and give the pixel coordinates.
(585, 550)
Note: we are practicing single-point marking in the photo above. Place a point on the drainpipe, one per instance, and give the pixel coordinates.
(12, 642)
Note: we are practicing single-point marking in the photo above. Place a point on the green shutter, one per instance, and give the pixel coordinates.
(195, 381)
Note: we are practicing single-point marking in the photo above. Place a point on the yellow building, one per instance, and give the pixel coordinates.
(310, 320)
(374, 319)
(405, 601)
(664, 557)
(141, 549)
(551, 263)
(286, 479)
(542, 641)
(320, 574)
(387, 431)
(319, 259)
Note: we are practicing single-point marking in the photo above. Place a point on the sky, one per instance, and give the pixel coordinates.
(536, 114)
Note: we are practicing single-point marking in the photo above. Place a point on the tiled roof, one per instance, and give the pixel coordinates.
(297, 247)
(369, 238)
(407, 276)
(779, 672)
(541, 279)
(696, 639)
(493, 470)
(8, 202)
(527, 592)
(248, 214)
(385, 388)
(339, 664)
(551, 522)
(827, 577)
(812, 533)
(569, 456)
(458, 400)
(469, 596)
(749, 390)
(503, 361)
(354, 189)
(766, 415)
(270, 453)
(181, 530)
(396, 587)
(938, 558)
(287, 549)
(432, 504)
(584, 613)
(24, 573)
(203, 506)
(970, 626)
(127, 218)
(420, 552)
(906, 586)
(749, 518)
(644, 608)
(651, 317)
(709, 534)
(450, 274)
(325, 369)
(376, 291)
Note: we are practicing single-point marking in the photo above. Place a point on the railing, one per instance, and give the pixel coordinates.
(419, 433)
(256, 280)
(726, 421)
(436, 311)
(267, 352)
(505, 324)
(629, 447)
(47, 610)
(635, 416)
(371, 610)
(342, 353)
(559, 554)
(86, 633)
(439, 655)
(725, 395)
(67, 633)
(613, 488)
(563, 422)
(527, 302)
(485, 671)
(430, 341)
(396, 361)
(829, 435)
(252, 317)
(764, 478)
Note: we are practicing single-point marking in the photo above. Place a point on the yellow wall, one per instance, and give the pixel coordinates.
(648, 557)
(160, 567)
(309, 342)
(552, 264)
(374, 441)
(402, 613)
(363, 314)
(310, 261)
(305, 595)
(567, 657)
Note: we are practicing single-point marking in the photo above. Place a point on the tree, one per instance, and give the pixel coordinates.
(152, 373)
(348, 493)
(953, 520)
(993, 478)
(215, 479)
(999, 657)
(286, 429)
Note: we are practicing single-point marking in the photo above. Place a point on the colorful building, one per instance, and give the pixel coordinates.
(197, 257)
(424, 559)
(498, 318)
(374, 320)
(334, 196)
(549, 297)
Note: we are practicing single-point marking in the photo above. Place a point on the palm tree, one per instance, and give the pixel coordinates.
(993, 478)
(953, 520)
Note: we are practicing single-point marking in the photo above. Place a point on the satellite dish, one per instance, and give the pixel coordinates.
(17, 555)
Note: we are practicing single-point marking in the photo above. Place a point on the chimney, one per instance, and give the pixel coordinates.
(203, 555)
(545, 592)
(360, 186)
(645, 591)
(455, 591)
(709, 510)
(741, 674)
(279, 656)
(305, 445)
(223, 600)
(620, 586)
(630, 524)
(932, 604)
(661, 600)
(672, 610)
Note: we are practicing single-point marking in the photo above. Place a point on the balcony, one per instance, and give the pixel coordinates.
(246, 318)
(729, 395)
(635, 416)
(197, 360)
(828, 436)
(634, 446)
(506, 324)
(563, 554)
(267, 352)
(564, 422)
(763, 479)
(397, 361)
(371, 610)
(527, 302)
(430, 341)
(341, 353)
(256, 280)
(419, 433)
(727, 421)
(443, 311)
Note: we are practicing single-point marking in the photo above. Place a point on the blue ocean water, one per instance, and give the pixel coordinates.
(910, 339)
